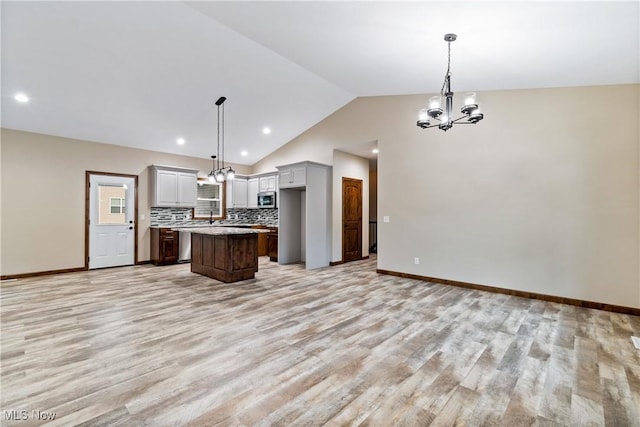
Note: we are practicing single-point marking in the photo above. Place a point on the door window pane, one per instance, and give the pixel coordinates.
(112, 205)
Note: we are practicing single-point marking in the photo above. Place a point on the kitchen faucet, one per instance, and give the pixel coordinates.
(211, 217)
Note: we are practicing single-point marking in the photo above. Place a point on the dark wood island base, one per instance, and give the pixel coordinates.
(225, 257)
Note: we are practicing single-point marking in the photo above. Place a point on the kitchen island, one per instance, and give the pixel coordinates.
(227, 254)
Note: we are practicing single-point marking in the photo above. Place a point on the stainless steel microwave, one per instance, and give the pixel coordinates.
(267, 199)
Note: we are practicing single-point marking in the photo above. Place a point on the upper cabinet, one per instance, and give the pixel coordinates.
(268, 183)
(244, 191)
(173, 186)
(292, 177)
(238, 192)
(252, 192)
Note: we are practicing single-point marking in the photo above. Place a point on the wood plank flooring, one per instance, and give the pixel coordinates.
(161, 346)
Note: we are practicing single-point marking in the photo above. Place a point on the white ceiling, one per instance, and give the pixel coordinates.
(142, 74)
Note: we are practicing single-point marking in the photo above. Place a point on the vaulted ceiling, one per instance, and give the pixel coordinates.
(142, 74)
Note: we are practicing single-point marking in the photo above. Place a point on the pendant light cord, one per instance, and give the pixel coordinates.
(222, 136)
(218, 135)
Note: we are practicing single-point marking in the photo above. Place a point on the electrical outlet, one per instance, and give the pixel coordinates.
(416, 260)
(385, 219)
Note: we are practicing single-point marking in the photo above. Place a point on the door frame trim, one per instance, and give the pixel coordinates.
(87, 194)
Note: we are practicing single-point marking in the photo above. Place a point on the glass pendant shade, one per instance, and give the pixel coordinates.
(469, 98)
(423, 118)
(435, 102)
(231, 174)
(470, 103)
(435, 106)
(475, 116)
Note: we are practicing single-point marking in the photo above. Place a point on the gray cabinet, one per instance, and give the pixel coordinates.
(173, 186)
(292, 177)
(268, 183)
(243, 191)
(238, 192)
(304, 214)
(253, 184)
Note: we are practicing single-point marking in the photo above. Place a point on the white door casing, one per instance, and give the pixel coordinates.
(111, 221)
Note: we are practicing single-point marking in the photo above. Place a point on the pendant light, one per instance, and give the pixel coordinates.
(220, 172)
(472, 114)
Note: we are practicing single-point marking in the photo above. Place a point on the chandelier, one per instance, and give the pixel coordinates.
(220, 172)
(444, 117)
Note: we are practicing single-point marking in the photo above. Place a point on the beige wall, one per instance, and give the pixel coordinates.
(541, 196)
(348, 166)
(42, 229)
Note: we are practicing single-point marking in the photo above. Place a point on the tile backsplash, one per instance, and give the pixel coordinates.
(184, 216)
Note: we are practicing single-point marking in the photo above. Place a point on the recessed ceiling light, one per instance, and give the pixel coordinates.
(244, 153)
(266, 130)
(375, 151)
(180, 141)
(21, 97)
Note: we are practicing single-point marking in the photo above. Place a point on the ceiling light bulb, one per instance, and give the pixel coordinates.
(244, 153)
(375, 151)
(21, 97)
(231, 174)
(180, 141)
(266, 131)
(212, 178)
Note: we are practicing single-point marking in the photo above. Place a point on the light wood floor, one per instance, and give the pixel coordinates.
(338, 346)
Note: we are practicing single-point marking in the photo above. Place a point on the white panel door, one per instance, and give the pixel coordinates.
(111, 221)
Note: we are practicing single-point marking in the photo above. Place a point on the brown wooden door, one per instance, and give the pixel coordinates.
(351, 219)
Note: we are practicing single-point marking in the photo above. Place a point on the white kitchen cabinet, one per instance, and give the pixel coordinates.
(268, 183)
(238, 192)
(173, 186)
(292, 177)
(253, 185)
(187, 189)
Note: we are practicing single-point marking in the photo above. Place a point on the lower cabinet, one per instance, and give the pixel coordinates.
(164, 246)
(262, 240)
(272, 244)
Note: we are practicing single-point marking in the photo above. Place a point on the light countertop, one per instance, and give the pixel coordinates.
(219, 230)
(175, 226)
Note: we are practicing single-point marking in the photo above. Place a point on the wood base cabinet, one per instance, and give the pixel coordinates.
(262, 240)
(164, 246)
(228, 258)
(272, 244)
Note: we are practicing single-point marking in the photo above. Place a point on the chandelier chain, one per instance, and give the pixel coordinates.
(448, 68)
